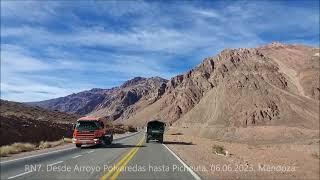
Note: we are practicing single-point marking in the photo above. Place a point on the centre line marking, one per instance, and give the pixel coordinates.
(76, 156)
(118, 167)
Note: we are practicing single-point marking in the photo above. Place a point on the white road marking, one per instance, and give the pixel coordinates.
(19, 175)
(36, 155)
(184, 164)
(55, 163)
(76, 156)
(90, 152)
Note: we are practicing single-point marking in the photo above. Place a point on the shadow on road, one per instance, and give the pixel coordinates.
(119, 145)
(178, 143)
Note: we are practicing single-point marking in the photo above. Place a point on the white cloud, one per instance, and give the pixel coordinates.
(19, 60)
(26, 78)
(153, 35)
(207, 13)
(31, 11)
(23, 89)
(12, 58)
(18, 76)
(161, 40)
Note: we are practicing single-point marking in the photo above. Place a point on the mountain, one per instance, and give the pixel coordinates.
(236, 94)
(115, 103)
(78, 103)
(276, 86)
(21, 123)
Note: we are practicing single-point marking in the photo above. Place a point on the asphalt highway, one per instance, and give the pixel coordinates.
(127, 158)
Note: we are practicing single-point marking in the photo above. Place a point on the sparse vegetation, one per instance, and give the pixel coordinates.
(218, 149)
(132, 129)
(121, 129)
(16, 148)
(315, 155)
(47, 144)
(177, 134)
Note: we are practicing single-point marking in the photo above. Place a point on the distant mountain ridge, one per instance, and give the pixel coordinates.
(114, 102)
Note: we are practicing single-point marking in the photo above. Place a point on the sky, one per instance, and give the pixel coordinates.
(51, 49)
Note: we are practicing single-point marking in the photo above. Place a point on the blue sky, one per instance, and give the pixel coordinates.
(54, 48)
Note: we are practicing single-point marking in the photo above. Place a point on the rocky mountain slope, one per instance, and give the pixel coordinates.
(116, 103)
(80, 103)
(21, 123)
(274, 85)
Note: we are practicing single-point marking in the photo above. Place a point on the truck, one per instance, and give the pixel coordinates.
(155, 130)
(91, 130)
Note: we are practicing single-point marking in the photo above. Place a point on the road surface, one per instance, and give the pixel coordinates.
(127, 158)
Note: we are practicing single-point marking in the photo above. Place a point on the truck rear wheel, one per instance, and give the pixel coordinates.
(107, 141)
(78, 145)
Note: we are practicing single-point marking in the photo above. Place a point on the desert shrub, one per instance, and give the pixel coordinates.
(120, 129)
(176, 134)
(47, 144)
(218, 149)
(315, 155)
(24, 147)
(132, 129)
(16, 148)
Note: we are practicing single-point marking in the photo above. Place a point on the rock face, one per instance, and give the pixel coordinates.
(116, 103)
(130, 97)
(272, 85)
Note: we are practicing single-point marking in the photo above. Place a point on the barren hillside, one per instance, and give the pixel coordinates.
(21, 123)
(227, 95)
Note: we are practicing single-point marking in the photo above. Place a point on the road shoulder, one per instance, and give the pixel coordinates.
(63, 147)
(296, 160)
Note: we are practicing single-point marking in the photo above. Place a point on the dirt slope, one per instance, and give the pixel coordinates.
(21, 123)
(275, 85)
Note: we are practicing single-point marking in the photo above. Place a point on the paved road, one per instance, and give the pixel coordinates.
(126, 158)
